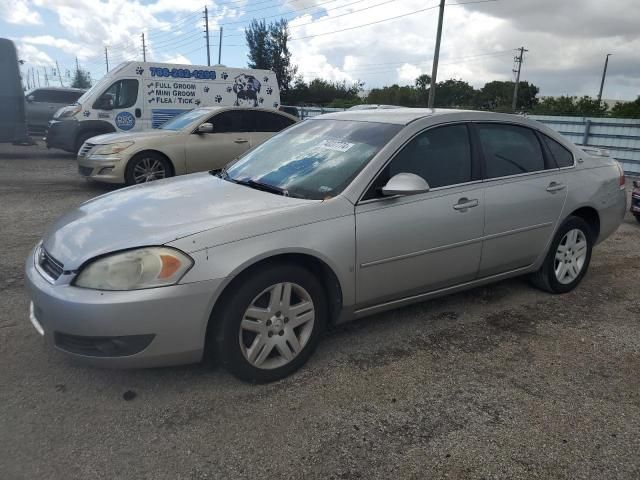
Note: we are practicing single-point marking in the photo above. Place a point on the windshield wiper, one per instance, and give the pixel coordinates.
(265, 187)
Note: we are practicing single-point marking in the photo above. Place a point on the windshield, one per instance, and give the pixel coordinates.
(180, 121)
(314, 159)
(98, 86)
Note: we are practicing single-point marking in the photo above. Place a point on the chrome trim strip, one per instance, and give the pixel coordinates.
(454, 245)
(34, 320)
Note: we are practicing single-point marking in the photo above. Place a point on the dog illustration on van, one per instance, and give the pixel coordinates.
(246, 88)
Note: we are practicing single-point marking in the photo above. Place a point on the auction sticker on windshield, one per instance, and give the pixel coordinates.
(336, 145)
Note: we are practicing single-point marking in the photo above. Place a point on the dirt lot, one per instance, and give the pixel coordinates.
(498, 382)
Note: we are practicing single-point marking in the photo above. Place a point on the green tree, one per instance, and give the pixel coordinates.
(454, 93)
(565, 105)
(627, 110)
(405, 96)
(268, 49)
(498, 95)
(324, 92)
(81, 79)
(423, 83)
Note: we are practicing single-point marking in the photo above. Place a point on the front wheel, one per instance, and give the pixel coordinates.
(568, 259)
(637, 217)
(271, 323)
(147, 167)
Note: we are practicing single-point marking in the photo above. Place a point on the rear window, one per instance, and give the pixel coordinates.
(562, 156)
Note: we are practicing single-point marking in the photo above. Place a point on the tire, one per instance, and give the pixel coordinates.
(83, 137)
(637, 217)
(269, 334)
(156, 166)
(552, 277)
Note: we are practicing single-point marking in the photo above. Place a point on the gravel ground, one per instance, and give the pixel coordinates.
(497, 382)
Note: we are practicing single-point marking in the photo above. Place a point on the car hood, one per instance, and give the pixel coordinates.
(157, 213)
(133, 136)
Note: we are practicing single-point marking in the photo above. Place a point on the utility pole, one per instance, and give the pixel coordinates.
(206, 32)
(436, 55)
(46, 78)
(33, 77)
(516, 70)
(604, 74)
(38, 72)
(144, 49)
(77, 68)
(220, 48)
(106, 58)
(59, 74)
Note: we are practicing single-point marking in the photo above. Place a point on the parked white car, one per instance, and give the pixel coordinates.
(199, 140)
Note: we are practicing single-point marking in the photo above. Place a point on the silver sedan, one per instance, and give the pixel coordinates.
(333, 219)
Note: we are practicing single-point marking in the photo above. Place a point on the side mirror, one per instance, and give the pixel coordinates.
(405, 184)
(30, 98)
(205, 128)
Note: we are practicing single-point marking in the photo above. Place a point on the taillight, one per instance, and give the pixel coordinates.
(621, 180)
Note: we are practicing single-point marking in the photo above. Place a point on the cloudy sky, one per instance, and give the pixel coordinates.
(376, 41)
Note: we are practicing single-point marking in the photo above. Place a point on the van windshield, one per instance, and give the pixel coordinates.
(96, 88)
(180, 121)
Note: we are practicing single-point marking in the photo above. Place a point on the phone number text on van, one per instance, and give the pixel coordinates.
(182, 73)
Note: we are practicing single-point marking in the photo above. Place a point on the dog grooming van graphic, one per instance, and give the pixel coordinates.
(140, 96)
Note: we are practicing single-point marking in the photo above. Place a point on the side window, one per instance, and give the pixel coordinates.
(563, 157)
(232, 121)
(39, 96)
(71, 97)
(270, 122)
(121, 94)
(59, 96)
(442, 156)
(510, 150)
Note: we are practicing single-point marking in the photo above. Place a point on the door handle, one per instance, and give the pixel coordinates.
(241, 140)
(138, 113)
(465, 203)
(555, 187)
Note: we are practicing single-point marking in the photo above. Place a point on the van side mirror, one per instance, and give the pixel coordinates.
(405, 184)
(30, 98)
(205, 128)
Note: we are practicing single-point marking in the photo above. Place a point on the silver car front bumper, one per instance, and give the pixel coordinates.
(167, 324)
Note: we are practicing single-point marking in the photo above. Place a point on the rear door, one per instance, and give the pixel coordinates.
(40, 109)
(524, 195)
(267, 124)
(230, 138)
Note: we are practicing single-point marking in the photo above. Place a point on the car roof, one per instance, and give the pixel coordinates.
(60, 89)
(406, 115)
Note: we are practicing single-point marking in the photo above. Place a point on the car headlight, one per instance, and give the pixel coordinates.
(68, 111)
(111, 148)
(147, 267)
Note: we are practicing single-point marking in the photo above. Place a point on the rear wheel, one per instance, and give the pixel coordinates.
(147, 167)
(568, 259)
(271, 324)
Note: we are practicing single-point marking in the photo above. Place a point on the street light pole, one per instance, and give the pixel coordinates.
(436, 54)
(604, 74)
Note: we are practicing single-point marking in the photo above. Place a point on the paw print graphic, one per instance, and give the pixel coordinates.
(266, 79)
(218, 98)
(275, 104)
(206, 89)
(269, 90)
(261, 100)
(139, 70)
(86, 113)
(229, 89)
(197, 102)
(224, 75)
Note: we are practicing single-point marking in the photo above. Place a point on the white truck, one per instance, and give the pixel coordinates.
(143, 95)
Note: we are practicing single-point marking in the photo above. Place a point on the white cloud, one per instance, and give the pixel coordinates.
(33, 56)
(20, 12)
(179, 59)
(407, 73)
(82, 52)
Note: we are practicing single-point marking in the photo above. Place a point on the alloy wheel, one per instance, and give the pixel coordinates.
(277, 325)
(570, 256)
(148, 170)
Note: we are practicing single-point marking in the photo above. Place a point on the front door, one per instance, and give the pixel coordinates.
(230, 138)
(524, 195)
(119, 105)
(419, 243)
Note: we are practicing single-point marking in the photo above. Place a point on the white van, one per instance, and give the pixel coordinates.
(140, 96)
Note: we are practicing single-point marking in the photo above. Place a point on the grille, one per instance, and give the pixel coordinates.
(50, 265)
(85, 171)
(85, 149)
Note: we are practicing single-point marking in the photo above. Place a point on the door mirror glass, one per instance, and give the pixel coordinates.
(205, 128)
(30, 98)
(405, 184)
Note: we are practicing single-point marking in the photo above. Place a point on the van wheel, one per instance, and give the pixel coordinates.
(147, 167)
(269, 326)
(83, 137)
(568, 259)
